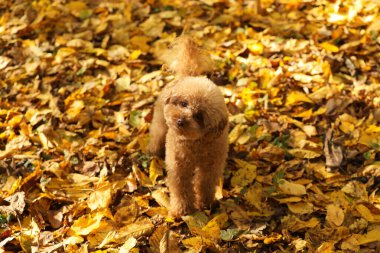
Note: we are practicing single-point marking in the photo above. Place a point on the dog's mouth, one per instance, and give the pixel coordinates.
(185, 128)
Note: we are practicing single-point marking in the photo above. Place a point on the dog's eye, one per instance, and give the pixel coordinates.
(199, 118)
(183, 103)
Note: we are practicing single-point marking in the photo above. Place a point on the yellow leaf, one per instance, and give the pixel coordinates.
(297, 97)
(236, 132)
(104, 235)
(10, 186)
(140, 227)
(305, 114)
(212, 228)
(75, 109)
(76, 5)
(303, 153)
(334, 215)
(373, 129)
(141, 42)
(256, 48)
(370, 139)
(127, 214)
(272, 238)
(320, 111)
(128, 245)
(291, 188)
(326, 247)
(266, 77)
(135, 54)
(196, 221)
(153, 26)
(372, 236)
(63, 52)
(155, 170)
(329, 47)
(141, 176)
(196, 243)
(101, 197)
(253, 196)
(155, 239)
(86, 224)
(245, 174)
(162, 211)
(161, 197)
(367, 214)
(301, 207)
(320, 171)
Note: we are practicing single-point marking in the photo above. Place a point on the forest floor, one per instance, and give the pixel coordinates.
(78, 80)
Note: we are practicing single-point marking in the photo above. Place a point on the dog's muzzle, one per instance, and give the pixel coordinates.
(181, 122)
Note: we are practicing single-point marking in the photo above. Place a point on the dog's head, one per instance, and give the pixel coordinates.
(194, 107)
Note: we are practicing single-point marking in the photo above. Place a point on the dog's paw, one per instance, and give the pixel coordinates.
(178, 211)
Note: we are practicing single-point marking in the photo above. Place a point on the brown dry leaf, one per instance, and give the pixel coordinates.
(127, 214)
(333, 152)
(295, 224)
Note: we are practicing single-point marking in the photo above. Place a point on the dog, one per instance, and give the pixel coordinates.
(190, 126)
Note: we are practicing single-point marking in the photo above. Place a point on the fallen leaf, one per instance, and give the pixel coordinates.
(245, 174)
(290, 188)
(334, 215)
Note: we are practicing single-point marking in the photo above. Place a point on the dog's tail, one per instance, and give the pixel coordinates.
(185, 58)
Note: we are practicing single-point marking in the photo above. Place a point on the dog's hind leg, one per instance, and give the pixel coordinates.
(158, 130)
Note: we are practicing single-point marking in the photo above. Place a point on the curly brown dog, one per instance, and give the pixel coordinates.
(190, 124)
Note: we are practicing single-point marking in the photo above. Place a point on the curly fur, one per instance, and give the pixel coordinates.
(190, 125)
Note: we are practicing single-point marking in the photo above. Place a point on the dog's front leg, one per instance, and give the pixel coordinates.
(206, 179)
(179, 181)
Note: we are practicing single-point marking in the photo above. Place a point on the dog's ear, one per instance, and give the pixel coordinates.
(199, 118)
(218, 129)
(167, 98)
(222, 125)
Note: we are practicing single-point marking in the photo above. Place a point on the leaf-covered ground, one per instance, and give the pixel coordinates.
(78, 80)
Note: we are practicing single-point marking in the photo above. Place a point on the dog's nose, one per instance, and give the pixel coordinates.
(181, 122)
